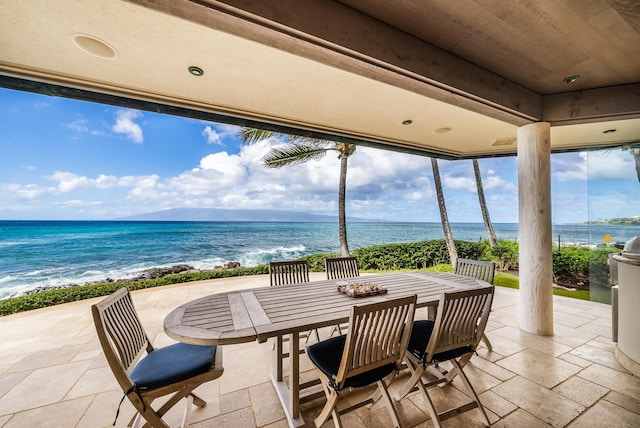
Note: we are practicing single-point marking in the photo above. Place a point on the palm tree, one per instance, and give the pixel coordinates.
(302, 149)
(636, 157)
(493, 240)
(451, 245)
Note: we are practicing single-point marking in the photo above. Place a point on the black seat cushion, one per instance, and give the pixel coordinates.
(172, 364)
(420, 335)
(326, 355)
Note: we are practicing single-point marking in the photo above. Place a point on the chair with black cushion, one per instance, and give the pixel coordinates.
(453, 337)
(340, 268)
(146, 373)
(371, 352)
(283, 273)
(480, 270)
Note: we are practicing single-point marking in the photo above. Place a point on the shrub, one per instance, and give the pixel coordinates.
(571, 264)
(415, 255)
(505, 255)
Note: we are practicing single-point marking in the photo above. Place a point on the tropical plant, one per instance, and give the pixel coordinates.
(446, 227)
(300, 149)
(493, 240)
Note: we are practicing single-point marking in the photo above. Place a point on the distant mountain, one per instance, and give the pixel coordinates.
(215, 214)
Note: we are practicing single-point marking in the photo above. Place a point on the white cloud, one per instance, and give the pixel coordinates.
(464, 183)
(213, 137)
(68, 181)
(79, 125)
(125, 125)
(494, 181)
(216, 133)
(611, 164)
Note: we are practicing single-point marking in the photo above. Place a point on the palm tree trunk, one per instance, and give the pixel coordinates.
(342, 218)
(636, 158)
(493, 240)
(451, 245)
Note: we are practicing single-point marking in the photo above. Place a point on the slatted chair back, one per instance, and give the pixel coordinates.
(341, 267)
(377, 336)
(121, 334)
(146, 373)
(476, 269)
(460, 321)
(288, 272)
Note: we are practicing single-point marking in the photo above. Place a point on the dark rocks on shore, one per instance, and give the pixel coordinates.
(152, 273)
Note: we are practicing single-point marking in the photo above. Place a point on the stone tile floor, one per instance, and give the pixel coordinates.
(53, 374)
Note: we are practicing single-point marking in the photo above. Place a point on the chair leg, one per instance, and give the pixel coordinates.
(461, 362)
(198, 401)
(472, 393)
(485, 339)
(387, 399)
(145, 413)
(187, 411)
(329, 409)
(435, 418)
(416, 373)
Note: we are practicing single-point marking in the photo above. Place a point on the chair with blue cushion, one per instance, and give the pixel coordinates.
(146, 373)
(453, 337)
(371, 352)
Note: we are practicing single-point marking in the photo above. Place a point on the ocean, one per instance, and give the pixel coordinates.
(49, 253)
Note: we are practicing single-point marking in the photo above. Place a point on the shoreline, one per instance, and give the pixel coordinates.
(150, 273)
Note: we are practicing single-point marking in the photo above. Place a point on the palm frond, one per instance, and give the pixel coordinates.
(292, 154)
(253, 135)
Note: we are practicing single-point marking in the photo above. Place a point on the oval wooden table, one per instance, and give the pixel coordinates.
(263, 313)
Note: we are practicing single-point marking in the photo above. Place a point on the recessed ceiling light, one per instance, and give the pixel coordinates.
(407, 122)
(444, 130)
(571, 79)
(196, 71)
(609, 131)
(94, 46)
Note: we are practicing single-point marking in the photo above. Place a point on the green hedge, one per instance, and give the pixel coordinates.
(416, 255)
(570, 264)
(82, 292)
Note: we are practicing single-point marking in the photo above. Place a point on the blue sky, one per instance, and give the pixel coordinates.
(67, 159)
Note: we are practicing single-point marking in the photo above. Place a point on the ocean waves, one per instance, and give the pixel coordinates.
(49, 254)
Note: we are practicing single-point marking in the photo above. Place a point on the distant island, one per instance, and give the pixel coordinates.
(218, 214)
(629, 221)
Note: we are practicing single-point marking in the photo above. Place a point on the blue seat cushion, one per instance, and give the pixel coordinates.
(172, 364)
(326, 355)
(420, 335)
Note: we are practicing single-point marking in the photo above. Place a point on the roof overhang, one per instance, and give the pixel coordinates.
(317, 67)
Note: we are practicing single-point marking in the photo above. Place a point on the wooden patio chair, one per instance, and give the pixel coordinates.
(339, 268)
(283, 273)
(480, 270)
(453, 336)
(288, 272)
(146, 373)
(371, 352)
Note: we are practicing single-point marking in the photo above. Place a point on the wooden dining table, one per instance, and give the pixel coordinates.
(274, 312)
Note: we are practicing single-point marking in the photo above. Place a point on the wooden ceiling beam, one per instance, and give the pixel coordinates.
(592, 105)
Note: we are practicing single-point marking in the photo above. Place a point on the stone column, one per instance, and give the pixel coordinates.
(534, 237)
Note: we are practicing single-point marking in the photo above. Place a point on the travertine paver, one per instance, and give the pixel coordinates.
(541, 368)
(57, 376)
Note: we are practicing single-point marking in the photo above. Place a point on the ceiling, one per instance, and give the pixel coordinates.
(465, 73)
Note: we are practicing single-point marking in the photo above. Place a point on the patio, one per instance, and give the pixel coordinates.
(52, 372)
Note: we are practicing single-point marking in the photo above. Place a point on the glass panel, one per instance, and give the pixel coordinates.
(613, 184)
